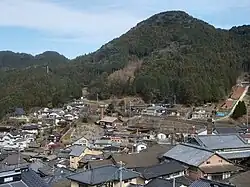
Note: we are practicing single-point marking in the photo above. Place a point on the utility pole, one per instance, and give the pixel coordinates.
(97, 99)
(120, 171)
(173, 182)
(18, 161)
(247, 116)
(129, 109)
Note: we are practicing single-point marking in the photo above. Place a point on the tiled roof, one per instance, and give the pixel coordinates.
(77, 150)
(162, 183)
(189, 154)
(146, 158)
(163, 169)
(28, 178)
(241, 180)
(31, 179)
(108, 119)
(98, 163)
(220, 168)
(208, 183)
(101, 175)
(235, 154)
(223, 141)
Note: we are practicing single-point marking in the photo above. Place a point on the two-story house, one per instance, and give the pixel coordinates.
(78, 152)
(230, 146)
(201, 162)
(82, 142)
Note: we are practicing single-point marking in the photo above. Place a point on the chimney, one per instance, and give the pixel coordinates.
(209, 126)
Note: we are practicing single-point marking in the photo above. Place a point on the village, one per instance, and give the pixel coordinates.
(127, 143)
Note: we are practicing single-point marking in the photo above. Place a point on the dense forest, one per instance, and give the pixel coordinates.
(171, 54)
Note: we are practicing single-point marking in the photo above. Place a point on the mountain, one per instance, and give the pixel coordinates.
(170, 55)
(11, 60)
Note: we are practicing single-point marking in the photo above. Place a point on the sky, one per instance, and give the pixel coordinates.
(77, 27)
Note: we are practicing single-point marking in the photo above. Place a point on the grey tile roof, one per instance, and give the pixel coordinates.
(102, 174)
(235, 155)
(161, 183)
(225, 141)
(162, 169)
(31, 179)
(77, 150)
(189, 154)
(208, 183)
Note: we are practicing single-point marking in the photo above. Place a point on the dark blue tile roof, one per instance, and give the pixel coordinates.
(102, 174)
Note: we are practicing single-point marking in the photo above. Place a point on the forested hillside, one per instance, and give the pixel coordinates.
(169, 54)
(11, 60)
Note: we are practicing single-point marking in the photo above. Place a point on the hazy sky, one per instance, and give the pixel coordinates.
(75, 27)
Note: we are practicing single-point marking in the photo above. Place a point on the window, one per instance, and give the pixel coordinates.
(208, 162)
(220, 161)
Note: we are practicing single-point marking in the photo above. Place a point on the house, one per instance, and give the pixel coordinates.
(78, 152)
(200, 114)
(13, 160)
(14, 141)
(22, 177)
(88, 158)
(109, 122)
(209, 183)
(166, 170)
(202, 162)
(159, 182)
(30, 129)
(105, 175)
(230, 146)
(82, 142)
(102, 143)
(150, 157)
(98, 163)
(154, 111)
(240, 180)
